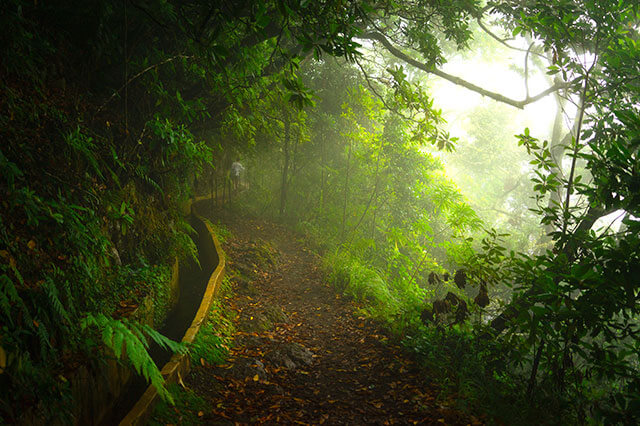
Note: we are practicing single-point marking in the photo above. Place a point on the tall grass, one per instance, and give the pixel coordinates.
(395, 303)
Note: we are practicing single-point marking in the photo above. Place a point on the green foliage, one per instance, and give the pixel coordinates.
(222, 232)
(132, 284)
(185, 408)
(478, 371)
(99, 156)
(353, 279)
(213, 339)
(129, 339)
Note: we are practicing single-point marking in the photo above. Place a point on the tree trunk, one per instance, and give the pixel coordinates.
(346, 193)
(285, 167)
(322, 175)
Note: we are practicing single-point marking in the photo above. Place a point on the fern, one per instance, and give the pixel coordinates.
(66, 287)
(6, 286)
(10, 297)
(126, 337)
(142, 172)
(10, 171)
(45, 340)
(54, 299)
(84, 145)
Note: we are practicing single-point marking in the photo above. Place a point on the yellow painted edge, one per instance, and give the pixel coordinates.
(179, 363)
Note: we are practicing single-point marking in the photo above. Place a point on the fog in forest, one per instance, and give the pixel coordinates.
(320, 212)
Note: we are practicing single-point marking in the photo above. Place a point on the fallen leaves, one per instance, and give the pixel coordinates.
(355, 378)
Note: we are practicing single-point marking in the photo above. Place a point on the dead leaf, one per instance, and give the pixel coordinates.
(31, 244)
(3, 360)
(202, 361)
(200, 413)
(181, 382)
(256, 378)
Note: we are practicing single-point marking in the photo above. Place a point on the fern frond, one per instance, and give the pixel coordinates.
(53, 298)
(127, 337)
(164, 341)
(66, 287)
(142, 172)
(107, 335)
(10, 292)
(43, 337)
(5, 302)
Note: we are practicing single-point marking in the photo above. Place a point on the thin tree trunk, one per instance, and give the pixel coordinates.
(346, 193)
(322, 175)
(576, 149)
(556, 147)
(285, 167)
(374, 193)
(534, 370)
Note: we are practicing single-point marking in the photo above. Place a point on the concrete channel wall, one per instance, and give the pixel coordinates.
(95, 390)
(179, 365)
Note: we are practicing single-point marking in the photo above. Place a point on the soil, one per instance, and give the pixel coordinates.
(301, 354)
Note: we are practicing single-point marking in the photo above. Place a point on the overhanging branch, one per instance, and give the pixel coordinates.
(376, 36)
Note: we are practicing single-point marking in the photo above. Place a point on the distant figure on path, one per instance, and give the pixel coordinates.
(237, 170)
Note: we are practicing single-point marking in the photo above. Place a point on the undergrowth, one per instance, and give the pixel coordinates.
(187, 409)
(472, 372)
(395, 304)
(210, 347)
(128, 340)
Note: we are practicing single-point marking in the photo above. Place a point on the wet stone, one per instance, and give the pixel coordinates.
(290, 355)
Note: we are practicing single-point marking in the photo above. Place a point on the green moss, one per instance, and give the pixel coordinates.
(131, 285)
(185, 411)
(213, 339)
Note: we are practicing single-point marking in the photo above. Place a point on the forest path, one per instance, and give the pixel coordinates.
(300, 354)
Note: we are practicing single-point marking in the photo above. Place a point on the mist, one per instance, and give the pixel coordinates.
(278, 212)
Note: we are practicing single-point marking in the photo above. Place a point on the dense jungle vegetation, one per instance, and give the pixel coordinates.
(518, 285)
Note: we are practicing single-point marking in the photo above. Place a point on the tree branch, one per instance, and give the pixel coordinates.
(503, 41)
(379, 96)
(147, 69)
(376, 36)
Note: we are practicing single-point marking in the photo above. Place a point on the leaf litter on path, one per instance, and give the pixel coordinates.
(301, 355)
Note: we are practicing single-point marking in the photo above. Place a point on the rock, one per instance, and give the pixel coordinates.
(244, 269)
(245, 286)
(254, 323)
(248, 341)
(275, 314)
(300, 354)
(290, 355)
(249, 367)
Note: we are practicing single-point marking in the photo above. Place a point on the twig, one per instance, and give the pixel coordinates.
(503, 42)
(147, 69)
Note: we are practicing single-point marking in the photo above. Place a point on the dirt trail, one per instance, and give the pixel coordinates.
(301, 355)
